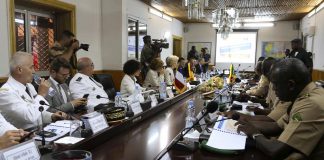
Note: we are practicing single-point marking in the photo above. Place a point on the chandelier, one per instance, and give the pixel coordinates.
(195, 8)
(225, 20)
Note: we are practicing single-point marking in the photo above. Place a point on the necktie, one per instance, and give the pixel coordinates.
(27, 91)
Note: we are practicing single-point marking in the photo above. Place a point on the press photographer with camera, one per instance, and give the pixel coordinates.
(151, 51)
(66, 48)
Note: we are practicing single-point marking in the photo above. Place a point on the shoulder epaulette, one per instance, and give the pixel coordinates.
(4, 89)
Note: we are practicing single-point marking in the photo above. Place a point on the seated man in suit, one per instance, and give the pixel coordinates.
(200, 66)
(83, 83)
(59, 72)
(300, 131)
(19, 101)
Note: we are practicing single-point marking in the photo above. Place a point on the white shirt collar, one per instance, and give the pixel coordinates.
(54, 81)
(133, 78)
(17, 84)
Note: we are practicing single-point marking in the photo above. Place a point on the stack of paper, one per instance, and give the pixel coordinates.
(224, 136)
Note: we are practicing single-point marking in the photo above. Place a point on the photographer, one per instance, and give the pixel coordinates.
(151, 51)
(66, 47)
(147, 54)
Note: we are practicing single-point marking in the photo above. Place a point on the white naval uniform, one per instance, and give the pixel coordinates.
(82, 84)
(5, 126)
(19, 108)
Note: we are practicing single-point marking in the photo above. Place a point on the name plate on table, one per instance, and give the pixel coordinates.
(136, 107)
(27, 150)
(98, 123)
(170, 93)
(154, 100)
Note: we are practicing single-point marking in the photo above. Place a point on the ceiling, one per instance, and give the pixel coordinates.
(279, 10)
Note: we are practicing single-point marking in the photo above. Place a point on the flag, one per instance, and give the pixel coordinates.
(231, 77)
(190, 73)
(180, 83)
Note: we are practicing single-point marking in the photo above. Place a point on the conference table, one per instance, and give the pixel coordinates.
(145, 136)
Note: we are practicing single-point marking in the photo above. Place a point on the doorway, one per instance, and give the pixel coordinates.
(177, 46)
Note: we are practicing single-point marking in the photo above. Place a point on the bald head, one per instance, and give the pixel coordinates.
(85, 66)
(289, 77)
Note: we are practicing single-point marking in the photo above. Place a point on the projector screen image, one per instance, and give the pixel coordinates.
(239, 47)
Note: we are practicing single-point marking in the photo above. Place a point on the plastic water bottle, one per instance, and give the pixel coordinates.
(118, 100)
(190, 116)
(162, 90)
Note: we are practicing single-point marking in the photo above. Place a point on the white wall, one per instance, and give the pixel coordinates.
(88, 28)
(113, 34)
(88, 22)
(204, 32)
(316, 20)
(156, 26)
(4, 39)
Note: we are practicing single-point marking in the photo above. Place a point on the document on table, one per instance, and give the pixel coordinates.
(60, 128)
(224, 136)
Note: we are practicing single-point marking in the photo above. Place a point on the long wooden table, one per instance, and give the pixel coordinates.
(146, 135)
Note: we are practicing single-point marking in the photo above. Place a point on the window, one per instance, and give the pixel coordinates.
(238, 49)
(136, 32)
(35, 34)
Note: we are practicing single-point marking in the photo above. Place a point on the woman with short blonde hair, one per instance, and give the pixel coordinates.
(172, 65)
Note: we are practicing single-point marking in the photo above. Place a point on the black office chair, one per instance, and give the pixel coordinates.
(107, 82)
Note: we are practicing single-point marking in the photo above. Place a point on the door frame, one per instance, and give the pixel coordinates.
(180, 39)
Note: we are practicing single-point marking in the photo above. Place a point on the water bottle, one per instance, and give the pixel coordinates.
(37, 80)
(190, 115)
(162, 90)
(118, 100)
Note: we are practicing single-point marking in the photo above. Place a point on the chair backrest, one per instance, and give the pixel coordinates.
(107, 82)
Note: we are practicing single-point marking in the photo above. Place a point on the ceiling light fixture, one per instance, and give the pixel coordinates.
(195, 8)
(225, 20)
(155, 12)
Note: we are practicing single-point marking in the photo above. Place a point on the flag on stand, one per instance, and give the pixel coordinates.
(190, 73)
(180, 83)
(231, 77)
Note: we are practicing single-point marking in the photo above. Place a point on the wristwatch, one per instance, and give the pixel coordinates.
(255, 135)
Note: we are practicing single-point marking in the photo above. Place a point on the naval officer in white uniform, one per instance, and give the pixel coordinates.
(83, 83)
(9, 135)
(19, 101)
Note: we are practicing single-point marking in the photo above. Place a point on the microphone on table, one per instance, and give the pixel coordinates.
(235, 117)
(100, 97)
(43, 149)
(210, 108)
(43, 103)
(84, 132)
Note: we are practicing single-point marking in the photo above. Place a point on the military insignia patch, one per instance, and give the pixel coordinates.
(79, 79)
(297, 117)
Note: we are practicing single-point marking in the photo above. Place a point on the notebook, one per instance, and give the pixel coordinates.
(224, 136)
